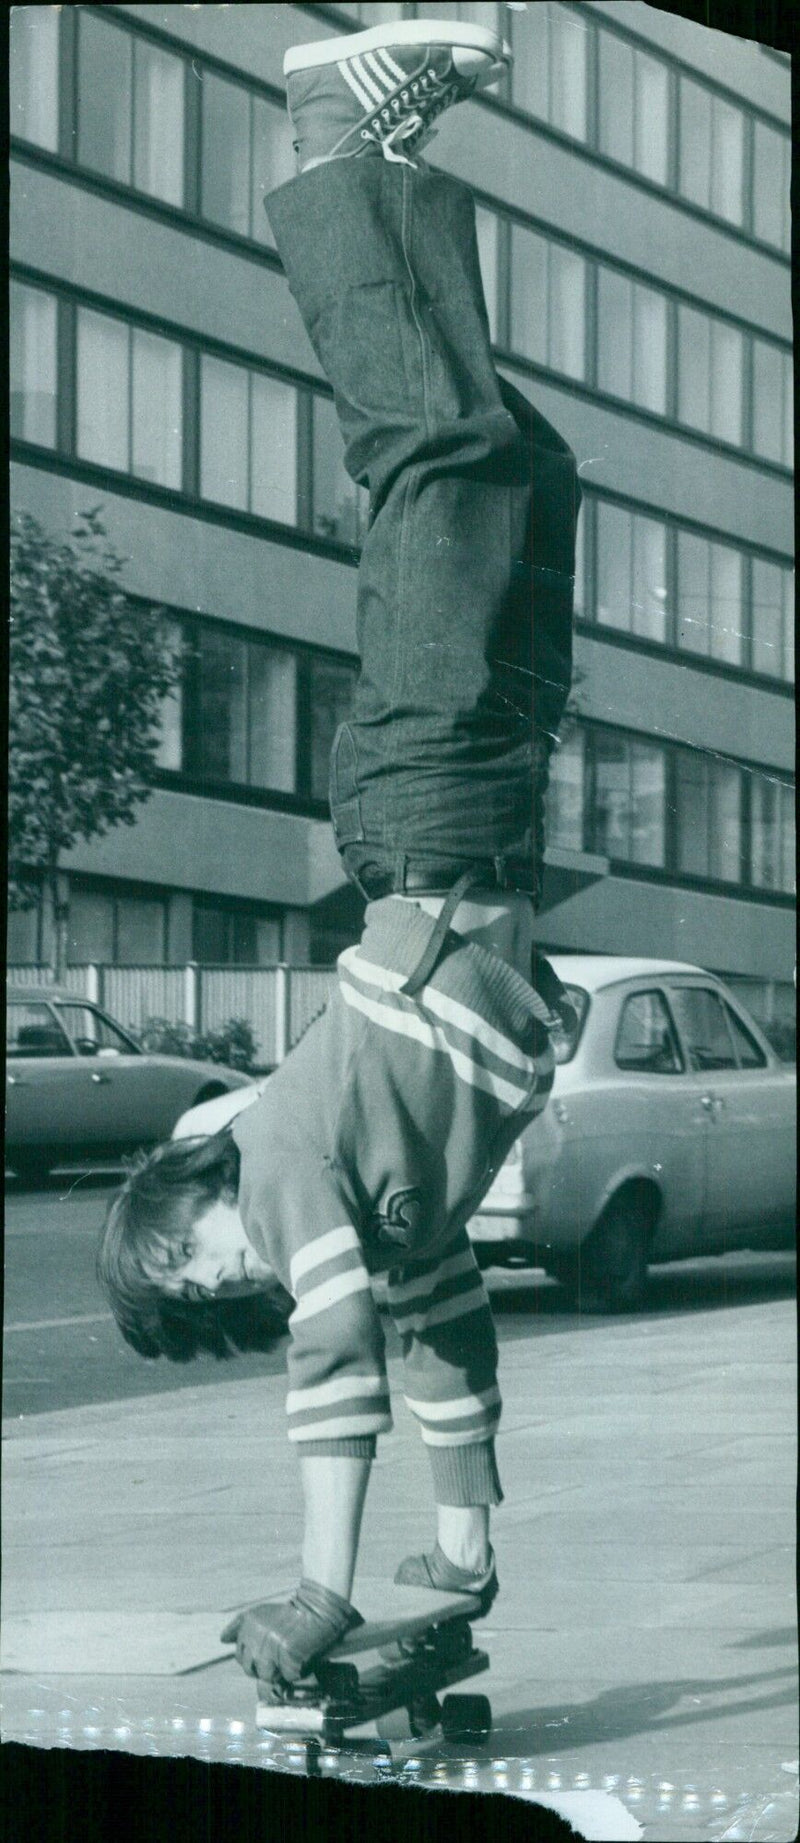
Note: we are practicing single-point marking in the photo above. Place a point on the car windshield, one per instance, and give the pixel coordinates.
(565, 1042)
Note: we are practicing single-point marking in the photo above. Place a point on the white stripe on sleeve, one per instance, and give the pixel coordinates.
(323, 1248)
(339, 1388)
(455, 1410)
(460, 1307)
(427, 1283)
(330, 1293)
(343, 1427)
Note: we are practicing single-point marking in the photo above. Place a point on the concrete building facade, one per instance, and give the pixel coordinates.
(632, 180)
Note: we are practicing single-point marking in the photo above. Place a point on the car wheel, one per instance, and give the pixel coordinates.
(608, 1271)
(211, 1092)
(31, 1167)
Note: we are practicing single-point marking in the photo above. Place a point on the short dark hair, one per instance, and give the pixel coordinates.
(149, 1222)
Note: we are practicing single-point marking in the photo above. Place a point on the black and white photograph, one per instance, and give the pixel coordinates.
(399, 1333)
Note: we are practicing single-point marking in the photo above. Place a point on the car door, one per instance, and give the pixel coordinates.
(744, 1111)
(135, 1098)
(663, 1126)
(117, 1098)
(45, 1084)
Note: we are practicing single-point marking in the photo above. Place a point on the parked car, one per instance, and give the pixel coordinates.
(670, 1133)
(79, 1086)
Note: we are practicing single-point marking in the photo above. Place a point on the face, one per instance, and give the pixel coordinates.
(221, 1262)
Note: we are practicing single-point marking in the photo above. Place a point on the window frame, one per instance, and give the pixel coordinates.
(588, 146)
(677, 1047)
(594, 498)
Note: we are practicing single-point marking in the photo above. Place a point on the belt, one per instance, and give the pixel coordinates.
(438, 877)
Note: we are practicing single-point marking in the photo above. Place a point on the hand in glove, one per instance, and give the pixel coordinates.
(283, 1638)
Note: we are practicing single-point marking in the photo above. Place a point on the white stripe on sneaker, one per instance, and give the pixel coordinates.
(375, 90)
(395, 70)
(361, 95)
(382, 76)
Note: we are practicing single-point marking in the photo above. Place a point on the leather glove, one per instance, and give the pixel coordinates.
(280, 1638)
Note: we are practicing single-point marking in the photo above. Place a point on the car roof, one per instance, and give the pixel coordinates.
(595, 971)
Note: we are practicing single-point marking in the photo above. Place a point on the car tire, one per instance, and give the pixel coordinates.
(32, 1168)
(608, 1272)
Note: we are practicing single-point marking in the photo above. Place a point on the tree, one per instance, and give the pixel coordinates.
(90, 667)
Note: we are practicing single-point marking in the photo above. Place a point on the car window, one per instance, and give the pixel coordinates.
(646, 1039)
(750, 1055)
(565, 1042)
(32, 1030)
(703, 1026)
(92, 1033)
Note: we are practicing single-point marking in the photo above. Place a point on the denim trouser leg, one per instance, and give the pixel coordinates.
(465, 580)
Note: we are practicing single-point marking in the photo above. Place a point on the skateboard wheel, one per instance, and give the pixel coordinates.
(396, 1725)
(466, 1718)
(426, 1716)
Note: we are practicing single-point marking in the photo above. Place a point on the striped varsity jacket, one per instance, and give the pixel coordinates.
(368, 1150)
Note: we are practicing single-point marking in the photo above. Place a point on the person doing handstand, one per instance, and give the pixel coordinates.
(373, 1143)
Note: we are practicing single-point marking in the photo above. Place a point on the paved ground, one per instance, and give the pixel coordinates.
(643, 1644)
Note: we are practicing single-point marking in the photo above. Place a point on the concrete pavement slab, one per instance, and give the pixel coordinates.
(644, 1632)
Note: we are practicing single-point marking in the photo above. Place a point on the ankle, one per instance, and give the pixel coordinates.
(463, 1536)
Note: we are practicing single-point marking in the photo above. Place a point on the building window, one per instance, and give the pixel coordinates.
(487, 227)
(631, 572)
(710, 599)
(32, 365)
(565, 794)
(711, 163)
(773, 403)
(340, 507)
(129, 399)
(548, 303)
(708, 817)
(227, 934)
(710, 375)
(109, 927)
(130, 108)
(628, 817)
(772, 620)
(772, 172)
(633, 108)
(242, 726)
(246, 150)
(33, 74)
(248, 440)
(550, 72)
(772, 832)
(632, 341)
(332, 683)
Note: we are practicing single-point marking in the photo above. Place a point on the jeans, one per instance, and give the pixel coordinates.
(465, 585)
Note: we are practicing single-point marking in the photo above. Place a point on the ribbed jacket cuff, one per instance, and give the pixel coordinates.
(361, 1446)
(464, 1475)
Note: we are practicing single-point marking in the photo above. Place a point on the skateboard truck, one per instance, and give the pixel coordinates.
(425, 1648)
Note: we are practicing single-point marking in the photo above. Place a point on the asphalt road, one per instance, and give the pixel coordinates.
(62, 1348)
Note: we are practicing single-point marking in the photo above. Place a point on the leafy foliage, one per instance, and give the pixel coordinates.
(89, 670)
(234, 1043)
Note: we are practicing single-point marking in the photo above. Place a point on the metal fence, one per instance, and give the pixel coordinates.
(278, 1002)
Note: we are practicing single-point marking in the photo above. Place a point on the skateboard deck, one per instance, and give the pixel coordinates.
(415, 1643)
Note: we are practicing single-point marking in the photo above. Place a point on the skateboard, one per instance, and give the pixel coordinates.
(414, 1643)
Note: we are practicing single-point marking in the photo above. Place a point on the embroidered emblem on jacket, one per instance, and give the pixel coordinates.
(399, 1221)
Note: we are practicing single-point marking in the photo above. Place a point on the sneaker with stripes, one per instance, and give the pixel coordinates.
(381, 90)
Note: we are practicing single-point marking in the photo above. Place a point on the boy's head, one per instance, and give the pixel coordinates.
(175, 1261)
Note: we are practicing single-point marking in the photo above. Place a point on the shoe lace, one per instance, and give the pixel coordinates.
(407, 116)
